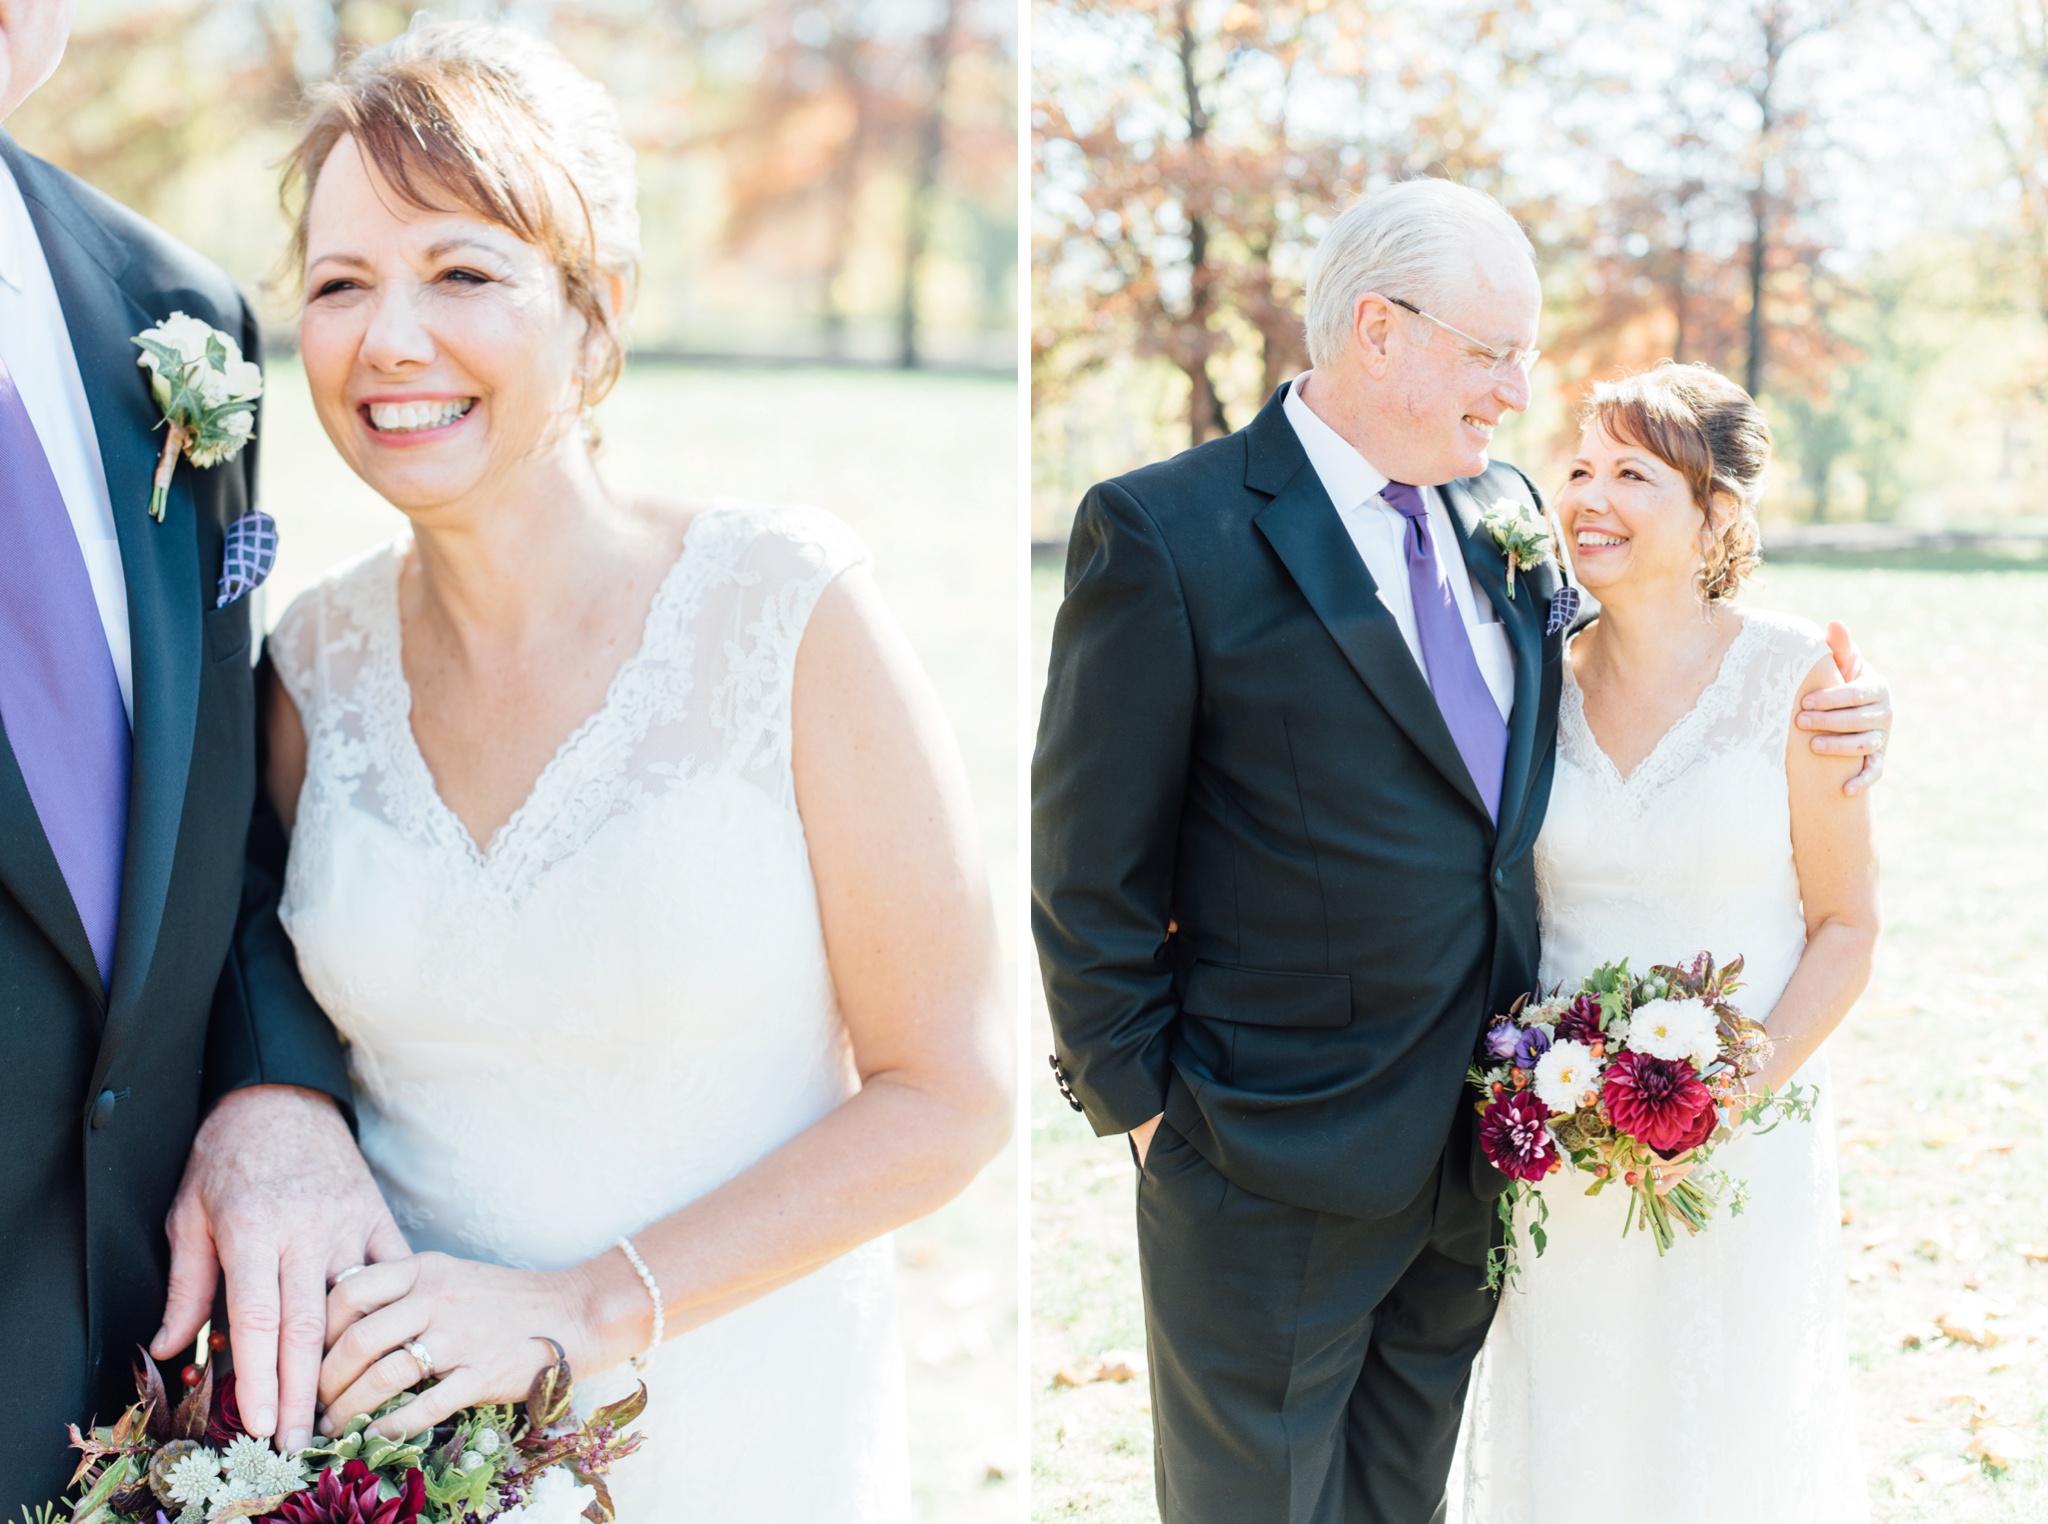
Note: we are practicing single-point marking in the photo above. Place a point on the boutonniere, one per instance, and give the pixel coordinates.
(208, 393)
(1523, 535)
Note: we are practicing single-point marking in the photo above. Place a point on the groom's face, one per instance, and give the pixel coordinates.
(1442, 388)
(32, 37)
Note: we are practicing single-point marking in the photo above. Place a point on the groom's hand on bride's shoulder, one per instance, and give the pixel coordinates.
(276, 1200)
(1853, 718)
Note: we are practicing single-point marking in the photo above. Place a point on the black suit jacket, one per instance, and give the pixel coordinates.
(105, 1088)
(1236, 738)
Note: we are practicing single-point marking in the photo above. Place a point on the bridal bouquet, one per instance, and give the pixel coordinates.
(1617, 1078)
(192, 1463)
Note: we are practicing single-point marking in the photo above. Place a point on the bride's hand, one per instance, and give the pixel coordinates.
(479, 1325)
(1666, 1173)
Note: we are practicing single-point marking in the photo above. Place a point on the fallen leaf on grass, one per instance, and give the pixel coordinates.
(1967, 1329)
(2034, 1254)
(1943, 1470)
(1998, 1447)
(1878, 1236)
(1115, 1365)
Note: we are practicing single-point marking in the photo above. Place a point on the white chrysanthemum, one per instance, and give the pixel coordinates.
(1673, 1029)
(557, 1498)
(194, 1477)
(1564, 1074)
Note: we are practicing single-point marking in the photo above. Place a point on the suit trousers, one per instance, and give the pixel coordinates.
(1307, 1368)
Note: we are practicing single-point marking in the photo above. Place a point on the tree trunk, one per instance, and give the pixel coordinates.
(1205, 409)
(1753, 372)
(1774, 40)
(931, 141)
(1678, 289)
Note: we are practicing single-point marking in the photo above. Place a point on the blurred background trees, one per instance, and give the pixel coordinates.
(1842, 204)
(819, 178)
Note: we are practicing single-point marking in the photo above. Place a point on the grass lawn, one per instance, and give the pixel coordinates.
(1941, 1126)
(925, 468)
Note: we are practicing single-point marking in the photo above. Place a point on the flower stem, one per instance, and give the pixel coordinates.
(166, 463)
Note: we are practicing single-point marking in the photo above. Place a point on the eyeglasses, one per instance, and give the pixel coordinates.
(1499, 361)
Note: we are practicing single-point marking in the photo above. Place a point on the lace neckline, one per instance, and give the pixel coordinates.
(559, 773)
(1713, 700)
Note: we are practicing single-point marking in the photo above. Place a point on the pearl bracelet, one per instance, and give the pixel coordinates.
(640, 1269)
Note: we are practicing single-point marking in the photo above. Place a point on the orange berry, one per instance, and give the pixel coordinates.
(216, 1341)
(189, 1375)
(1632, 1178)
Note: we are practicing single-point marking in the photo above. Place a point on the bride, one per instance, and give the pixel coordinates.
(630, 852)
(1688, 815)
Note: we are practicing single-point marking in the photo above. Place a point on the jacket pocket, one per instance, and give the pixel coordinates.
(227, 631)
(1266, 998)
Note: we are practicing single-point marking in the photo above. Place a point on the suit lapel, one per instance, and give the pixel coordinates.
(1524, 621)
(1302, 526)
(29, 870)
(160, 562)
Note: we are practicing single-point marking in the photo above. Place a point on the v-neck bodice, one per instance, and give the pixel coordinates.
(619, 1004)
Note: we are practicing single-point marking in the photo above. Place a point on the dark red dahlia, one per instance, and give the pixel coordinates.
(1657, 1101)
(1702, 1129)
(224, 1423)
(347, 1494)
(1512, 1132)
(1581, 1020)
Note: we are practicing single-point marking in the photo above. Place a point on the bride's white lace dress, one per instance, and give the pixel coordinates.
(618, 1005)
(1712, 1384)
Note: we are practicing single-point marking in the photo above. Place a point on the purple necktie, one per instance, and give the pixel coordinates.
(1454, 677)
(59, 698)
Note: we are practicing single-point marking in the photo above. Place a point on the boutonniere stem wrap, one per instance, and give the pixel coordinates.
(207, 392)
(1523, 535)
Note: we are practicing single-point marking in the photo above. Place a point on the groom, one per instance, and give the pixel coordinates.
(1296, 748)
(158, 1045)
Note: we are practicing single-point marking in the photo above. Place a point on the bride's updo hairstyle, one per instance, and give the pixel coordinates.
(1708, 430)
(464, 115)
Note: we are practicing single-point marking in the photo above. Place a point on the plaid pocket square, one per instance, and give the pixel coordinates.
(1564, 608)
(251, 551)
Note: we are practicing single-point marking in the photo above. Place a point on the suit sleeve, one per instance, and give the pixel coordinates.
(1108, 779)
(265, 1027)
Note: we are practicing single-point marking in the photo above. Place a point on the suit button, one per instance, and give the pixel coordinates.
(103, 1109)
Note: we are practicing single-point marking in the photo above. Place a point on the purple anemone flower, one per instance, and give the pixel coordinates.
(1534, 1044)
(1501, 1039)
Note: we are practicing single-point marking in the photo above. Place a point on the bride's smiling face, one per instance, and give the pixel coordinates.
(440, 348)
(1629, 517)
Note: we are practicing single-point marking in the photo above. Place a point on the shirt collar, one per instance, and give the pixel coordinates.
(14, 226)
(1347, 476)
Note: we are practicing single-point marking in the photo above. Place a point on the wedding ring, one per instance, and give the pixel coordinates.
(351, 1270)
(1656, 1175)
(425, 1361)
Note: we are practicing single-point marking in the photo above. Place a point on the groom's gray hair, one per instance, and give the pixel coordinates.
(1415, 240)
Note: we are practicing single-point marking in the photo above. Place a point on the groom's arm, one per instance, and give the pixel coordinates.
(275, 1199)
(1108, 779)
(265, 1028)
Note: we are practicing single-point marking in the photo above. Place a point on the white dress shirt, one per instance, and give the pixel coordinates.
(1380, 533)
(36, 347)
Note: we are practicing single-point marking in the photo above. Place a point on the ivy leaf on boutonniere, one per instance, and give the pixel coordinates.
(208, 393)
(1522, 533)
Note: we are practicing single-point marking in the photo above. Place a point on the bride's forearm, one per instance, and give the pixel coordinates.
(893, 1152)
(1832, 972)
